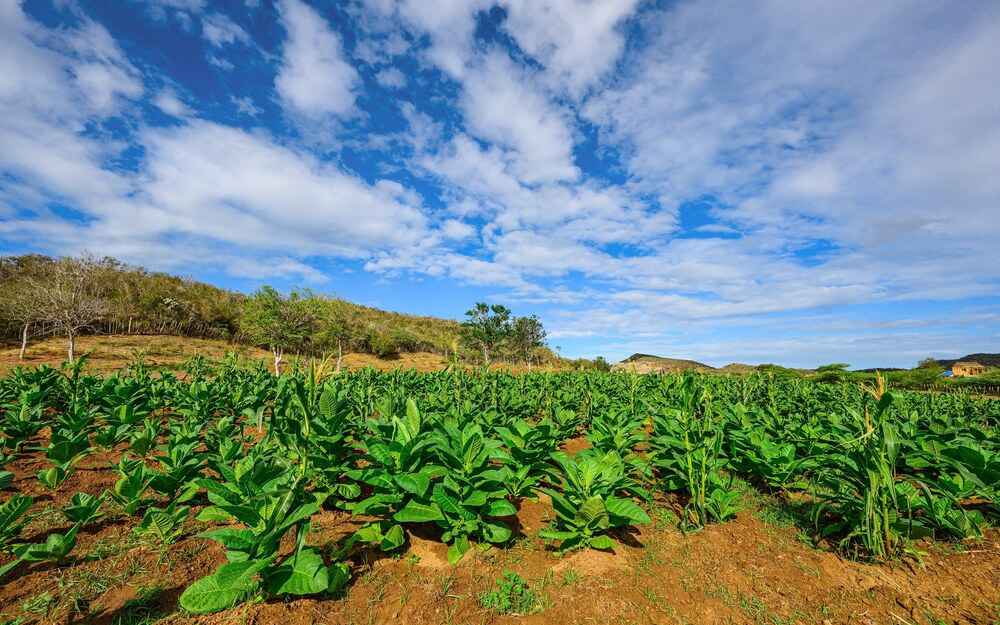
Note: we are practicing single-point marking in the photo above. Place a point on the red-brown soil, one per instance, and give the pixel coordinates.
(743, 571)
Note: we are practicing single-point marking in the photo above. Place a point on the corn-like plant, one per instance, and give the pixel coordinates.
(688, 456)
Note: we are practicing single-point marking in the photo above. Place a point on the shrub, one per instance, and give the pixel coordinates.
(511, 596)
(383, 345)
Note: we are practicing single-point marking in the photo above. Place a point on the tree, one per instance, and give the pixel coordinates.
(527, 334)
(929, 363)
(335, 327)
(277, 322)
(486, 328)
(18, 300)
(72, 294)
(833, 367)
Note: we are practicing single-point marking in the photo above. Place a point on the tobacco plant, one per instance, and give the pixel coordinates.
(591, 501)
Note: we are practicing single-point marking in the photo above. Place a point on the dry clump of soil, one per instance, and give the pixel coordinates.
(743, 571)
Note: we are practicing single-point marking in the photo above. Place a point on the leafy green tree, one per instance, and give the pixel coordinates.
(486, 328)
(527, 334)
(278, 322)
(837, 366)
(334, 326)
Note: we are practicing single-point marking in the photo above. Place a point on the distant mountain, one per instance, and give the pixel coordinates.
(645, 363)
(987, 360)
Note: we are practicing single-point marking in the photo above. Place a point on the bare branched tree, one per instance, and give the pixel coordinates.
(18, 301)
(71, 294)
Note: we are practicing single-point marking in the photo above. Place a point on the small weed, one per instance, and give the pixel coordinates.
(511, 596)
(48, 518)
(932, 619)
(142, 608)
(570, 579)
(40, 604)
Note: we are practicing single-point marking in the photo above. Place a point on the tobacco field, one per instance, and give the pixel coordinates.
(227, 494)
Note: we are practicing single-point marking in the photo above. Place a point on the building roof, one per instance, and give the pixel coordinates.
(967, 364)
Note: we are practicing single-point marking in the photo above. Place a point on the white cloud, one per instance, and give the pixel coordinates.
(315, 79)
(577, 40)
(391, 77)
(220, 30)
(168, 102)
(500, 105)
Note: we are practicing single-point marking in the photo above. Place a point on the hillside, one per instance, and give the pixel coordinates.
(987, 360)
(171, 353)
(143, 302)
(646, 363)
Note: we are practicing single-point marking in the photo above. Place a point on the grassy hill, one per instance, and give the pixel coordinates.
(644, 363)
(172, 353)
(143, 302)
(987, 360)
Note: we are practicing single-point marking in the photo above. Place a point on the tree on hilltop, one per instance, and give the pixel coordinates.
(277, 322)
(486, 328)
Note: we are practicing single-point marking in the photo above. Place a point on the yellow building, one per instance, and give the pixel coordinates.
(967, 369)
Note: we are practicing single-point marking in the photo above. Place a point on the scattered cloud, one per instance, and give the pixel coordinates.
(314, 78)
(713, 180)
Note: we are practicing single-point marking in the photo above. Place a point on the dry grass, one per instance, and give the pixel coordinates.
(112, 352)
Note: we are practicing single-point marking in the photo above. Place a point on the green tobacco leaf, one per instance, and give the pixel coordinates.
(500, 507)
(231, 538)
(340, 574)
(592, 512)
(393, 538)
(327, 401)
(305, 574)
(213, 514)
(414, 512)
(223, 588)
(496, 532)
(627, 509)
(554, 535)
(416, 483)
(445, 500)
(459, 549)
(243, 514)
(601, 542)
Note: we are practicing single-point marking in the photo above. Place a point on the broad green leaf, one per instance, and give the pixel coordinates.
(592, 512)
(415, 483)
(628, 509)
(231, 538)
(393, 539)
(223, 588)
(243, 514)
(459, 549)
(339, 574)
(601, 542)
(211, 514)
(495, 532)
(414, 512)
(302, 574)
(499, 508)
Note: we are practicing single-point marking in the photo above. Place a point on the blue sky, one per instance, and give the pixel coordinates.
(798, 183)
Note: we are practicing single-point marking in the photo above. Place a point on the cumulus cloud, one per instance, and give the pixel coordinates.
(684, 176)
(315, 78)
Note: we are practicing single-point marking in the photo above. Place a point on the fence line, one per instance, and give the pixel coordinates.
(947, 388)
